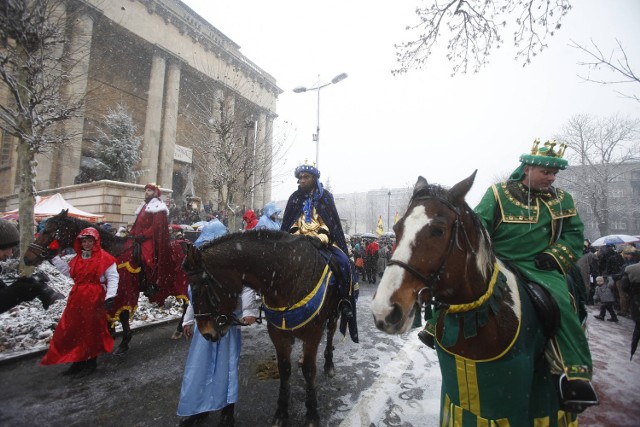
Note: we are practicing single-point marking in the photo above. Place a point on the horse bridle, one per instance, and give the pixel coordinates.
(432, 279)
(220, 320)
(44, 252)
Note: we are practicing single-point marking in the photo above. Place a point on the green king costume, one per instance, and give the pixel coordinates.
(524, 223)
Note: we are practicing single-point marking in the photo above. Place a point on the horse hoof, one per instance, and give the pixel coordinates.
(121, 350)
(176, 335)
(330, 372)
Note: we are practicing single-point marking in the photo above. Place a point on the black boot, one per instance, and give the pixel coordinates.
(576, 395)
(74, 368)
(89, 368)
(226, 416)
(426, 338)
(193, 420)
(48, 296)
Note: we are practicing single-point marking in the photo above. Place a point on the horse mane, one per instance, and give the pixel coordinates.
(106, 238)
(252, 236)
(430, 190)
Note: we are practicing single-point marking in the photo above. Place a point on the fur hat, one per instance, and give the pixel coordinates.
(9, 236)
(629, 250)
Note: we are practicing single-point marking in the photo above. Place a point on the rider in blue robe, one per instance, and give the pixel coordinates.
(311, 211)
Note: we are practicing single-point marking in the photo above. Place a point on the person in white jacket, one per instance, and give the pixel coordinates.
(210, 380)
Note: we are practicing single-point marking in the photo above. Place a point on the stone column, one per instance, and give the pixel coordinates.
(65, 164)
(169, 126)
(152, 124)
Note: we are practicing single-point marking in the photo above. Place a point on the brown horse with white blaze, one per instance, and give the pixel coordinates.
(489, 340)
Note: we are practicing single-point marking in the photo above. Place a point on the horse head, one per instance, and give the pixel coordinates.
(438, 253)
(58, 233)
(213, 306)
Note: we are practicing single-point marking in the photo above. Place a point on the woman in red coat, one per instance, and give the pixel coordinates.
(82, 332)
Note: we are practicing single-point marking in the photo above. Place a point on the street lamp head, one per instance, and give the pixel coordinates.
(339, 78)
(300, 89)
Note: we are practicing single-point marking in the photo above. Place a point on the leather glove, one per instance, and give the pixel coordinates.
(108, 303)
(545, 261)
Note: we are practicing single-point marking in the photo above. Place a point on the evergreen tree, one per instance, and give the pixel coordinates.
(118, 146)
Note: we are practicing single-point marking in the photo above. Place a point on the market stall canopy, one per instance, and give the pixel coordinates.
(52, 205)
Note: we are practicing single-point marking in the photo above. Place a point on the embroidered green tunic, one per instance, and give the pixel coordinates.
(523, 224)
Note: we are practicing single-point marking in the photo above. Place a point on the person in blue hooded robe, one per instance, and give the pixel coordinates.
(269, 218)
(210, 380)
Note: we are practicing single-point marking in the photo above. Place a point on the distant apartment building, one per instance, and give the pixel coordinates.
(622, 191)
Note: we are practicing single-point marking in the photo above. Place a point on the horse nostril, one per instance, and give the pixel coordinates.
(395, 316)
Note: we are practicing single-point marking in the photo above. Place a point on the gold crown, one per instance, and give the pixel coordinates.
(547, 150)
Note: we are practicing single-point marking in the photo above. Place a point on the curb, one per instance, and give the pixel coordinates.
(40, 351)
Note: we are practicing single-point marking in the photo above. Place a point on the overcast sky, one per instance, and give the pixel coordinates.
(380, 131)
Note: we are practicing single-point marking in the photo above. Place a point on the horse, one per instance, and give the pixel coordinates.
(488, 337)
(300, 299)
(64, 229)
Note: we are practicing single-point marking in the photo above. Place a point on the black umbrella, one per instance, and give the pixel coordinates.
(635, 338)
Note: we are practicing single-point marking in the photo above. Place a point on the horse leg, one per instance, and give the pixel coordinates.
(310, 349)
(126, 334)
(329, 369)
(283, 344)
(177, 334)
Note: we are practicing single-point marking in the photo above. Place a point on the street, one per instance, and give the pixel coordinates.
(384, 380)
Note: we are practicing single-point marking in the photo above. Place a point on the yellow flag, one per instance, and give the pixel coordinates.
(379, 229)
(395, 221)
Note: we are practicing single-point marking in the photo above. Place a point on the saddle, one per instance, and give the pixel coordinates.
(546, 307)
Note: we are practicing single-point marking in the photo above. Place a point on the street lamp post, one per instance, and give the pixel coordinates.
(388, 210)
(317, 88)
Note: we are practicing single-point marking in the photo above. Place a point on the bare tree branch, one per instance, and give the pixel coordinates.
(475, 28)
(617, 62)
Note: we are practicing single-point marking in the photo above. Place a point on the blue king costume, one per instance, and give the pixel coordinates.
(314, 214)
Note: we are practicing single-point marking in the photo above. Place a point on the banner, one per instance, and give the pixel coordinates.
(395, 221)
(379, 228)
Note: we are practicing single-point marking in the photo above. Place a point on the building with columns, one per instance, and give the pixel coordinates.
(175, 73)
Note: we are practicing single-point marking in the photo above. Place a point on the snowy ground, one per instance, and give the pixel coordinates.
(28, 328)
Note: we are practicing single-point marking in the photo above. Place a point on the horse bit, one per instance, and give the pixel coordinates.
(219, 320)
(432, 279)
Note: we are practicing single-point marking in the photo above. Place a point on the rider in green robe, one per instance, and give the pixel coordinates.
(535, 227)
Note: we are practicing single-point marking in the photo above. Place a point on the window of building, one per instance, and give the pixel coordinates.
(619, 225)
(617, 193)
(5, 149)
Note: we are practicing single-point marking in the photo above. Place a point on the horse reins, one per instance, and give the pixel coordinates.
(432, 279)
(219, 319)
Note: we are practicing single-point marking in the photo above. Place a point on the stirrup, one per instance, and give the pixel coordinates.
(346, 311)
(427, 339)
(576, 395)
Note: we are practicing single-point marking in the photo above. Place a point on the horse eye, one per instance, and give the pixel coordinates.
(437, 232)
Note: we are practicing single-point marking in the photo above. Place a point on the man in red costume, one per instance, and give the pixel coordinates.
(151, 232)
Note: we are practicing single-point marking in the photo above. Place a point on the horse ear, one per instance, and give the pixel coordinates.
(421, 184)
(64, 212)
(459, 191)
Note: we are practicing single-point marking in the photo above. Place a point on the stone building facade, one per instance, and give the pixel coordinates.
(169, 68)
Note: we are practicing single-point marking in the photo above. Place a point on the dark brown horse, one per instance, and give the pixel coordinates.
(489, 341)
(63, 229)
(298, 293)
